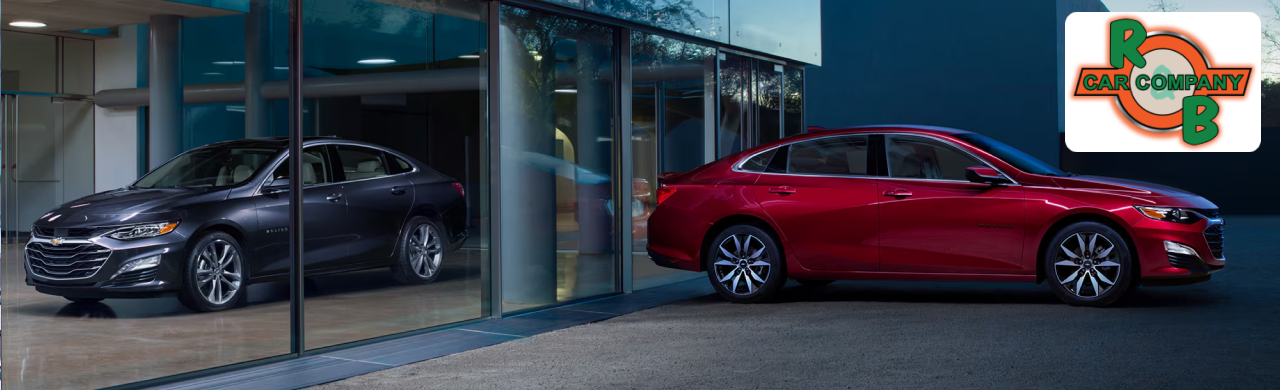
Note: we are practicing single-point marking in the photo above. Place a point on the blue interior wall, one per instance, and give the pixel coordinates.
(982, 66)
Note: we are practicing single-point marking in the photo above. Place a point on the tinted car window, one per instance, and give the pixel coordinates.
(923, 158)
(361, 162)
(830, 156)
(315, 168)
(758, 162)
(401, 165)
(208, 167)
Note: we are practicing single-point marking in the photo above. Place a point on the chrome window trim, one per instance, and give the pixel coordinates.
(26, 259)
(263, 183)
(737, 167)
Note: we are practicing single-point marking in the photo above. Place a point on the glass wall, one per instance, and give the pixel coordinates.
(706, 19)
(793, 101)
(557, 89)
(737, 119)
(189, 264)
(414, 187)
(113, 277)
(769, 100)
(673, 90)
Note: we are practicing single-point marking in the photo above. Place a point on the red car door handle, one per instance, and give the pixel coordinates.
(782, 190)
(899, 193)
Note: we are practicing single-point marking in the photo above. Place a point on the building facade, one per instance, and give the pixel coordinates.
(554, 117)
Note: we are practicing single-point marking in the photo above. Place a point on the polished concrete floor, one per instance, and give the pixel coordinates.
(908, 335)
(51, 343)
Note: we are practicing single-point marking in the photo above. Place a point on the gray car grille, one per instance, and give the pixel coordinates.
(66, 261)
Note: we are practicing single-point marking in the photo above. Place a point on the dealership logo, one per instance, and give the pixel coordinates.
(1156, 74)
(1162, 81)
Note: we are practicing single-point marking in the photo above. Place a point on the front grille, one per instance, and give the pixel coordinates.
(135, 277)
(1216, 238)
(1208, 213)
(66, 261)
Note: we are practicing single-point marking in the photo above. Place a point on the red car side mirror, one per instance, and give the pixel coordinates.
(985, 175)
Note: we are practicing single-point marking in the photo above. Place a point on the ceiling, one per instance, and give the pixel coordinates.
(62, 16)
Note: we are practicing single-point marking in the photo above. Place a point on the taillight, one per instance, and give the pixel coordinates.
(664, 193)
(458, 186)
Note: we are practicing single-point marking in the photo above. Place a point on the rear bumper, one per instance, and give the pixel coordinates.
(675, 239)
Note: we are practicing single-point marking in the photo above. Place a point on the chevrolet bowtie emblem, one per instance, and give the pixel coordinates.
(56, 241)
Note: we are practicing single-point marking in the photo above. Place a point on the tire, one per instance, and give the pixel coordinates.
(725, 268)
(1097, 275)
(413, 262)
(84, 300)
(214, 262)
(814, 283)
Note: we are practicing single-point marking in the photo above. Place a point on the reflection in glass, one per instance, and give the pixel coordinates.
(700, 18)
(669, 131)
(735, 104)
(793, 101)
(557, 89)
(415, 196)
(769, 100)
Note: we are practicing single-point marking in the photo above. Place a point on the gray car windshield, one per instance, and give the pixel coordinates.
(208, 167)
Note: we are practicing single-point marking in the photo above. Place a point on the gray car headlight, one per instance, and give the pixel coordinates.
(146, 230)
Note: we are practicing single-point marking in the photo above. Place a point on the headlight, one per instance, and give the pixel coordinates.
(146, 230)
(1169, 214)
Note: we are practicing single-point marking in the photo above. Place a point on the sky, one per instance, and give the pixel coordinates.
(1261, 7)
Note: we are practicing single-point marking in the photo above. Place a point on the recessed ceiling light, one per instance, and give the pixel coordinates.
(469, 56)
(566, 90)
(27, 24)
(377, 61)
(228, 62)
(212, 74)
(282, 68)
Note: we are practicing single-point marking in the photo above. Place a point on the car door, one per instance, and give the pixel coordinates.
(933, 219)
(323, 215)
(378, 201)
(820, 194)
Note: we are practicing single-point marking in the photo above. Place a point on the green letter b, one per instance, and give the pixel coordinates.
(1193, 119)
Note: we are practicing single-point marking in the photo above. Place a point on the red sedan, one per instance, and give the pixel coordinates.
(917, 203)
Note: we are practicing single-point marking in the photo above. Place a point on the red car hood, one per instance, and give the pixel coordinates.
(1132, 187)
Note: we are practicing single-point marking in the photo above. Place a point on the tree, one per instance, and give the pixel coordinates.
(1164, 6)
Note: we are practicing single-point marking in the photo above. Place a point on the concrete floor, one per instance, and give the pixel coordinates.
(51, 343)
(1219, 334)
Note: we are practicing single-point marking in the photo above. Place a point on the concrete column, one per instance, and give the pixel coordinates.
(257, 67)
(164, 133)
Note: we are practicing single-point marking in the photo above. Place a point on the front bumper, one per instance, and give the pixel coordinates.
(1162, 267)
(42, 266)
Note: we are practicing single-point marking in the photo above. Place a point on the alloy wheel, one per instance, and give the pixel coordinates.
(425, 251)
(218, 272)
(1087, 265)
(742, 264)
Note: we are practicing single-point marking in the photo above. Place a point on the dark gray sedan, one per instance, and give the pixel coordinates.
(214, 219)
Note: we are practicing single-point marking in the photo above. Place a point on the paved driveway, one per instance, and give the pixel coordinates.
(1220, 334)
